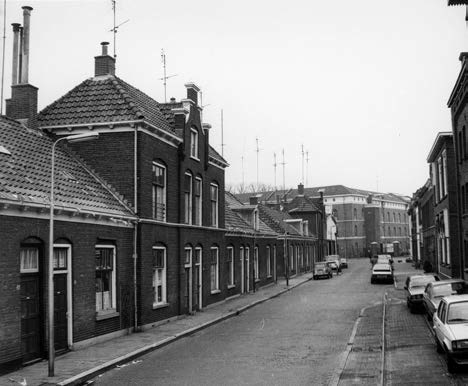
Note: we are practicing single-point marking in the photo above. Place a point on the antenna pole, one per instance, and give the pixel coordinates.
(283, 163)
(307, 168)
(243, 181)
(302, 153)
(222, 134)
(258, 151)
(274, 166)
(3, 55)
(115, 27)
(163, 58)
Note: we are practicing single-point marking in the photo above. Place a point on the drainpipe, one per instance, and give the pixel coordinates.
(135, 233)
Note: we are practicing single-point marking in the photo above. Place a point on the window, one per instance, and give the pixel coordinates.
(291, 258)
(268, 261)
(159, 276)
(463, 198)
(399, 231)
(394, 217)
(230, 265)
(159, 192)
(256, 275)
(399, 218)
(214, 270)
(188, 256)
(105, 278)
(355, 230)
(60, 258)
(198, 201)
(389, 231)
(29, 259)
(194, 143)
(444, 172)
(388, 216)
(188, 198)
(394, 231)
(214, 204)
(355, 213)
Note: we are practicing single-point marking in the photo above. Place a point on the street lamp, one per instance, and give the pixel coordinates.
(71, 139)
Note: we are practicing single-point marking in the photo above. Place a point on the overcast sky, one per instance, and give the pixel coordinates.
(362, 85)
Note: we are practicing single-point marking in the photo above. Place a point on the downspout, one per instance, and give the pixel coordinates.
(135, 231)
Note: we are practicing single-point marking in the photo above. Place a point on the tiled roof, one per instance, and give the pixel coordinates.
(103, 99)
(25, 174)
(301, 204)
(274, 219)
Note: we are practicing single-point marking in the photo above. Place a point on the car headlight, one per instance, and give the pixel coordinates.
(460, 344)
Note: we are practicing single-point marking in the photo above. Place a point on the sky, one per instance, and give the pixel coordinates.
(362, 86)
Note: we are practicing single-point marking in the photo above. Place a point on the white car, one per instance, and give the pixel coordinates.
(451, 330)
(382, 273)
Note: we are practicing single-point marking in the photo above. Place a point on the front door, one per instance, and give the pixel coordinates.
(60, 311)
(31, 323)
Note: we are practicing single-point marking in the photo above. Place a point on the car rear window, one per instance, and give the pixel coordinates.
(321, 266)
(449, 289)
(457, 313)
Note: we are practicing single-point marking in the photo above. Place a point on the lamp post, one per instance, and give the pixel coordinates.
(71, 139)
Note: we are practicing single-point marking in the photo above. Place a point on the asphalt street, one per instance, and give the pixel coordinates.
(294, 339)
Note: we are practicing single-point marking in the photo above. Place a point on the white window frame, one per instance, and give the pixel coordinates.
(194, 144)
(241, 258)
(214, 217)
(255, 257)
(199, 212)
(230, 253)
(163, 280)
(216, 271)
(444, 166)
(188, 215)
(268, 261)
(164, 193)
(113, 279)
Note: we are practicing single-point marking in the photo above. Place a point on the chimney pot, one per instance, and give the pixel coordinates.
(300, 189)
(104, 64)
(173, 100)
(104, 48)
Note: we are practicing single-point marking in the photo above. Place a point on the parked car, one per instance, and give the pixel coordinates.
(451, 330)
(414, 288)
(435, 291)
(385, 259)
(322, 270)
(409, 259)
(335, 259)
(334, 266)
(343, 262)
(382, 273)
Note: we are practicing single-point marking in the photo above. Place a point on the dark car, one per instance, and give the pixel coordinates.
(414, 288)
(322, 270)
(334, 266)
(435, 291)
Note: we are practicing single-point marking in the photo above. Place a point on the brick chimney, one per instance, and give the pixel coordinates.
(22, 105)
(192, 92)
(300, 189)
(104, 64)
(253, 200)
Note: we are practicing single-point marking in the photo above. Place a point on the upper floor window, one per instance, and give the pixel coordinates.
(388, 216)
(355, 230)
(355, 213)
(188, 198)
(399, 217)
(198, 201)
(394, 217)
(214, 204)
(105, 278)
(159, 192)
(194, 143)
(159, 276)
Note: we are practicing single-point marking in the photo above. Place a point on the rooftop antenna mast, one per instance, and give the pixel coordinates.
(3, 54)
(165, 77)
(284, 183)
(274, 166)
(222, 134)
(243, 181)
(114, 30)
(307, 168)
(302, 153)
(257, 150)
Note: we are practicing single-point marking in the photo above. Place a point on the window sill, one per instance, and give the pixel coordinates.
(195, 158)
(257, 280)
(160, 305)
(215, 292)
(102, 315)
(231, 286)
(269, 276)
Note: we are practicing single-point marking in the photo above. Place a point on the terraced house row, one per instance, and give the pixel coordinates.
(143, 228)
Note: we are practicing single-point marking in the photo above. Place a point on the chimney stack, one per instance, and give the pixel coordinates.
(25, 46)
(22, 105)
(300, 189)
(104, 64)
(16, 34)
(192, 92)
(253, 200)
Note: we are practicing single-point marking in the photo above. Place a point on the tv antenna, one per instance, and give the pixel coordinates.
(165, 77)
(115, 28)
(283, 164)
(302, 153)
(307, 168)
(257, 150)
(274, 166)
(222, 134)
(3, 55)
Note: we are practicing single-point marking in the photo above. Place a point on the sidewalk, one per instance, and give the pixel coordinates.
(409, 356)
(75, 367)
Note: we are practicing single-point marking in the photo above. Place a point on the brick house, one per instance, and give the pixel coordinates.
(159, 158)
(459, 108)
(444, 206)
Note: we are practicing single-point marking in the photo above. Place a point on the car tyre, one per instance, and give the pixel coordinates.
(451, 365)
(439, 348)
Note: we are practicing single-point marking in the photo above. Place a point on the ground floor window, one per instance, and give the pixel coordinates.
(105, 278)
(256, 262)
(214, 269)
(230, 265)
(159, 276)
(268, 261)
(29, 259)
